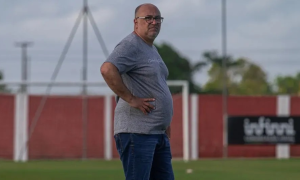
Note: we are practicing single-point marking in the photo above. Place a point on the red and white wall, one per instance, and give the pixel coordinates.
(59, 131)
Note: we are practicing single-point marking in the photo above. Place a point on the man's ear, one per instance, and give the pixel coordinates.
(135, 23)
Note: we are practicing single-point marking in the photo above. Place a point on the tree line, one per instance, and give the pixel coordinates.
(242, 76)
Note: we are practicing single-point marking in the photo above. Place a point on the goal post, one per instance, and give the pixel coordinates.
(185, 114)
(185, 121)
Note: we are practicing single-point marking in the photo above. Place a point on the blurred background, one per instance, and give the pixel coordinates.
(249, 50)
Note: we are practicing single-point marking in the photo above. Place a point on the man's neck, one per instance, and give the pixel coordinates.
(150, 43)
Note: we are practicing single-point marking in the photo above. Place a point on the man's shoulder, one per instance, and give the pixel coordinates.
(130, 39)
(128, 45)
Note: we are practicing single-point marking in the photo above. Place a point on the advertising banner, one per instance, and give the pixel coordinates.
(263, 130)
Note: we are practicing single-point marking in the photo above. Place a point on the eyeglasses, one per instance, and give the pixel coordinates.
(149, 19)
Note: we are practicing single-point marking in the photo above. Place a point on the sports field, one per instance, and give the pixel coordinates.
(231, 169)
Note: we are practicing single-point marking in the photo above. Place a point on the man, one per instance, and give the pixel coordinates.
(137, 74)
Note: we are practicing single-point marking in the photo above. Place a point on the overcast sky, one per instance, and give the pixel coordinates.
(264, 31)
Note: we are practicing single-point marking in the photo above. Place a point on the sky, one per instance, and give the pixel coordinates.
(265, 32)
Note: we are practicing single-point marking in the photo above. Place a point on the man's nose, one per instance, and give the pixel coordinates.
(154, 21)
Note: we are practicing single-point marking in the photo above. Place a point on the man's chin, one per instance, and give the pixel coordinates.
(152, 35)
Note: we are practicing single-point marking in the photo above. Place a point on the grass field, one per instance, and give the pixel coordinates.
(230, 169)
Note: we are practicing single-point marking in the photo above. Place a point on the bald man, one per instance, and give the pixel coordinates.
(137, 75)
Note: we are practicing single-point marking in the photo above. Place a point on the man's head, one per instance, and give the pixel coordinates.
(147, 21)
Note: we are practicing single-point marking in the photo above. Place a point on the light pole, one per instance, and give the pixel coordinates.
(24, 70)
(224, 72)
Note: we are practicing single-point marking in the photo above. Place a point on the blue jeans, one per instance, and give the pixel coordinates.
(145, 157)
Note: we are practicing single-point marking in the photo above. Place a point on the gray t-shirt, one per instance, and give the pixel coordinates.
(144, 73)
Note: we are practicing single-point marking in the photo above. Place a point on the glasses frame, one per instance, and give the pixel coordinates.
(152, 19)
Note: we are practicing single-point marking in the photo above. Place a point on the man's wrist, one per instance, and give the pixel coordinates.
(130, 99)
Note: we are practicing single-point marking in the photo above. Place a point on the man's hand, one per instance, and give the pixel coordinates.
(142, 104)
(168, 132)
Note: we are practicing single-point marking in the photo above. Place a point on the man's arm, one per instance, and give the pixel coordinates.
(113, 79)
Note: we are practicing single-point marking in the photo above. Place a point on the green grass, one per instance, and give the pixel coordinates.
(230, 169)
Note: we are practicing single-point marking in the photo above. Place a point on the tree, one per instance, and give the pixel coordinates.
(215, 73)
(179, 67)
(288, 84)
(3, 87)
(242, 77)
(252, 80)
